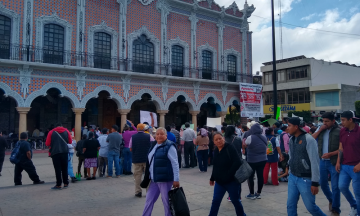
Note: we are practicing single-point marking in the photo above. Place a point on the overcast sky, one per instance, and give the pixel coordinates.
(330, 15)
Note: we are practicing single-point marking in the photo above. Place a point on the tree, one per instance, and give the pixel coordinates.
(305, 114)
(357, 108)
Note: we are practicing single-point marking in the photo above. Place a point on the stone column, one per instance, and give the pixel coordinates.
(123, 113)
(162, 114)
(23, 111)
(194, 118)
(222, 114)
(78, 112)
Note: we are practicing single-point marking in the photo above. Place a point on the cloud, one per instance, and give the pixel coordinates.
(308, 17)
(353, 10)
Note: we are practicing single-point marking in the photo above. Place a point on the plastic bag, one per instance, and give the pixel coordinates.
(177, 202)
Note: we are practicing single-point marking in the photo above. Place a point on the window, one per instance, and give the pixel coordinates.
(327, 99)
(5, 33)
(53, 44)
(297, 96)
(143, 55)
(268, 98)
(281, 76)
(207, 64)
(231, 68)
(177, 60)
(297, 73)
(102, 50)
(281, 97)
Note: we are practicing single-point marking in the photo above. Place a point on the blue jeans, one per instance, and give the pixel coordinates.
(219, 192)
(334, 196)
(301, 186)
(127, 159)
(113, 157)
(202, 156)
(346, 175)
(70, 166)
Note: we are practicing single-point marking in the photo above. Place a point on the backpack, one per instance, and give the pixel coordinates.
(269, 149)
(15, 154)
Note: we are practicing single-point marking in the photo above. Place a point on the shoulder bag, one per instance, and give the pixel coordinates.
(244, 171)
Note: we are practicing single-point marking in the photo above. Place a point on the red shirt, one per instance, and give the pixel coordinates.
(351, 145)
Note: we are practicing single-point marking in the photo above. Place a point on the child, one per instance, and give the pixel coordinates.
(283, 169)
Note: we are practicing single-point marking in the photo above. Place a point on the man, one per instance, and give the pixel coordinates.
(80, 154)
(177, 137)
(85, 131)
(114, 139)
(284, 139)
(188, 137)
(328, 148)
(36, 133)
(103, 152)
(250, 120)
(25, 163)
(57, 140)
(3, 145)
(97, 131)
(139, 146)
(348, 162)
(170, 136)
(127, 134)
(238, 129)
(304, 169)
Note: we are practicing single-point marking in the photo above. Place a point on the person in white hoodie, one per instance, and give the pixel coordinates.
(103, 152)
(70, 157)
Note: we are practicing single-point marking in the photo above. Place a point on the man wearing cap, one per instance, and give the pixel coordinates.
(139, 145)
(348, 163)
(127, 134)
(250, 120)
(304, 169)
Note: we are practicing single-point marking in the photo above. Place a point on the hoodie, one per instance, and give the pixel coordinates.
(58, 144)
(256, 145)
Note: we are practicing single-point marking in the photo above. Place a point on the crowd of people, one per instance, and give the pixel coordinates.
(305, 156)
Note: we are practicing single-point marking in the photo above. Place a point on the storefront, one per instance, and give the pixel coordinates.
(285, 108)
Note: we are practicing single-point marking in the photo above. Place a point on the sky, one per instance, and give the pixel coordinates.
(329, 15)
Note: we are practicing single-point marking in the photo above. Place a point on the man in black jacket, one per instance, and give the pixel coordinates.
(80, 154)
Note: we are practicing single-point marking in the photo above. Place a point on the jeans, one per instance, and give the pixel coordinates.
(189, 152)
(259, 169)
(274, 173)
(301, 186)
(70, 166)
(334, 195)
(60, 162)
(347, 175)
(203, 160)
(113, 157)
(127, 159)
(29, 167)
(219, 192)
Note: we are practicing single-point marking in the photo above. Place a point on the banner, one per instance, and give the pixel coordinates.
(212, 122)
(149, 117)
(251, 100)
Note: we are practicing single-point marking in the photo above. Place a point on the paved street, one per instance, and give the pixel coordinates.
(116, 196)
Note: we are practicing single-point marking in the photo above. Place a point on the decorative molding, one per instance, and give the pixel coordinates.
(122, 27)
(15, 23)
(28, 22)
(204, 100)
(25, 79)
(231, 101)
(208, 48)
(196, 91)
(126, 86)
(193, 19)
(185, 46)
(232, 51)
(157, 101)
(234, 7)
(43, 92)
(191, 104)
(118, 100)
(80, 83)
(13, 94)
(221, 27)
(224, 88)
(146, 2)
(165, 87)
(164, 8)
(80, 31)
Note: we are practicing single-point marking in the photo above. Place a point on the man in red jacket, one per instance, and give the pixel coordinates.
(57, 139)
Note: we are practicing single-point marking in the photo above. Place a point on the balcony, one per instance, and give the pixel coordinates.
(85, 60)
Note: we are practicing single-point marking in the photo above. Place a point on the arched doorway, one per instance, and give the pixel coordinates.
(9, 117)
(144, 104)
(178, 113)
(208, 109)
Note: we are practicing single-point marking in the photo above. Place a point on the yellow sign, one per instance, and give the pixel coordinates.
(269, 109)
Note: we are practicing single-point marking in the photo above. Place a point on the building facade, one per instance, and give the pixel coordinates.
(99, 62)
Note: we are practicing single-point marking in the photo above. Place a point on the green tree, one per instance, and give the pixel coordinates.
(357, 108)
(306, 114)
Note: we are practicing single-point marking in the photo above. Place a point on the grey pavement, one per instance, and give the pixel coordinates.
(108, 197)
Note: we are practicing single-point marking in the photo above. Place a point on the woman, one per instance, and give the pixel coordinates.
(256, 145)
(90, 149)
(163, 169)
(272, 160)
(202, 141)
(70, 157)
(226, 163)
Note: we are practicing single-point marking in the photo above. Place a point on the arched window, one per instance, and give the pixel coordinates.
(102, 50)
(231, 68)
(53, 44)
(177, 61)
(5, 34)
(207, 64)
(143, 55)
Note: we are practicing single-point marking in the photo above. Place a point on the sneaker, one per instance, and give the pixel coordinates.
(39, 182)
(88, 178)
(228, 199)
(353, 212)
(93, 178)
(66, 186)
(138, 194)
(251, 196)
(73, 180)
(257, 195)
(118, 176)
(56, 188)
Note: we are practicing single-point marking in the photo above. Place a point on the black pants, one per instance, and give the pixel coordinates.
(189, 151)
(29, 167)
(2, 158)
(259, 169)
(81, 162)
(211, 153)
(179, 150)
(60, 162)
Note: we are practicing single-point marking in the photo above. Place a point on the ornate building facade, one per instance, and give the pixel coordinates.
(99, 62)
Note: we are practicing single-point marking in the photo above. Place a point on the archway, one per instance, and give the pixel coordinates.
(208, 109)
(144, 104)
(9, 117)
(178, 112)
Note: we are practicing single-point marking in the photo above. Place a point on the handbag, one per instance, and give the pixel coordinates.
(146, 181)
(244, 171)
(177, 202)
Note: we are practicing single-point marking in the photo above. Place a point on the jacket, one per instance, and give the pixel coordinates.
(140, 147)
(334, 140)
(58, 145)
(162, 168)
(236, 142)
(256, 150)
(79, 148)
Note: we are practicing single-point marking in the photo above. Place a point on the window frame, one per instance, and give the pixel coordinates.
(147, 66)
(231, 76)
(208, 58)
(53, 54)
(177, 69)
(6, 47)
(102, 61)
(325, 92)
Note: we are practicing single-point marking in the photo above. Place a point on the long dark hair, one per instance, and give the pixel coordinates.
(230, 130)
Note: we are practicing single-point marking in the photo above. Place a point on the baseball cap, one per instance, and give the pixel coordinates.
(140, 127)
(250, 118)
(349, 114)
(297, 121)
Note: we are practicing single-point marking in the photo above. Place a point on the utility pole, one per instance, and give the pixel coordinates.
(274, 59)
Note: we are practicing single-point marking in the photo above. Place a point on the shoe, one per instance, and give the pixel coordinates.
(353, 212)
(257, 195)
(330, 207)
(186, 167)
(138, 194)
(93, 178)
(73, 180)
(56, 188)
(0, 174)
(39, 182)
(118, 176)
(228, 199)
(108, 176)
(251, 196)
(334, 213)
(66, 186)
(18, 184)
(88, 178)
